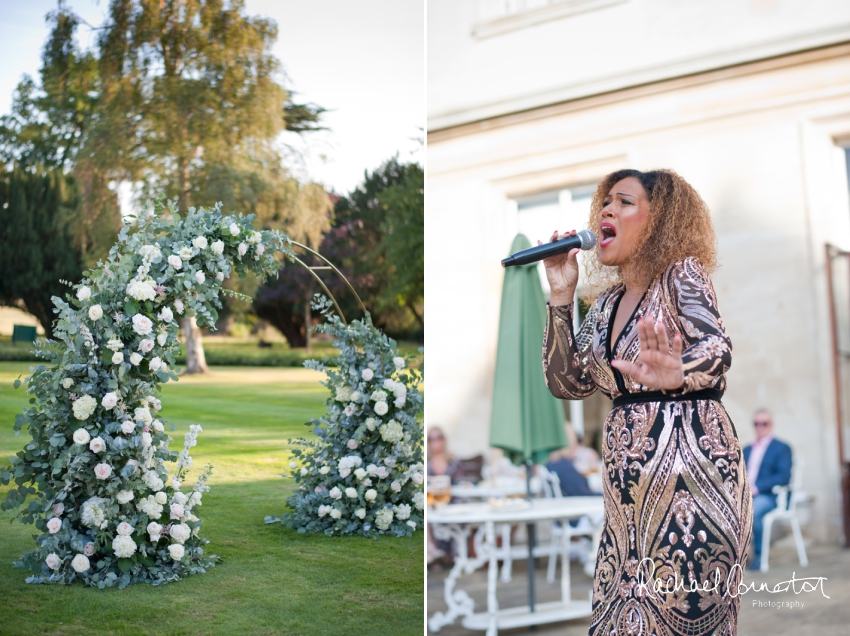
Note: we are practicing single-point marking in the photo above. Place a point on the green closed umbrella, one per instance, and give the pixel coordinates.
(527, 421)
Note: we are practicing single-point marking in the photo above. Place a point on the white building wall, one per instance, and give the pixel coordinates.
(758, 143)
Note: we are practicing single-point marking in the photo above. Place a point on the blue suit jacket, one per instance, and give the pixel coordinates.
(775, 468)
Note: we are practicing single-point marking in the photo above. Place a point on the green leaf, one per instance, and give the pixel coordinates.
(124, 565)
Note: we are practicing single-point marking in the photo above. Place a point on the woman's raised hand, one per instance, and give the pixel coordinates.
(562, 272)
(660, 365)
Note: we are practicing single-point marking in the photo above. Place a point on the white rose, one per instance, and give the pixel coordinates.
(161, 338)
(234, 229)
(336, 514)
(323, 510)
(68, 383)
(367, 482)
(199, 276)
(180, 532)
(370, 494)
(166, 315)
(80, 563)
(161, 498)
(395, 486)
(176, 551)
(242, 249)
(220, 276)
(370, 423)
(109, 400)
(178, 305)
(185, 253)
(367, 374)
(155, 364)
(360, 473)
(352, 444)
(260, 249)
(417, 478)
(124, 496)
(58, 509)
(83, 293)
(128, 426)
(97, 445)
(177, 511)
(145, 345)
(123, 546)
(175, 261)
(200, 242)
(398, 362)
(142, 325)
(324, 470)
(146, 439)
(382, 472)
(125, 529)
(303, 472)
(158, 426)
(53, 561)
(293, 465)
(399, 402)
(335, 493)
(95, 312)
(117, 358)
(381, 408)
(344, 472)
(351, 493)
(360, 513)
(255, 237)
(154, 528)
(180, 498)
(389, 385)
(218, 248)
(54, 525)
(135, 359)
(81, 436)
(102, 471)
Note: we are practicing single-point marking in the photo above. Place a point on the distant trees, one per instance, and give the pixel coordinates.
(377, 241)
(37, 219)
(180, 98)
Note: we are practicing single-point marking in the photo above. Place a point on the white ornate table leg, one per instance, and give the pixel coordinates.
(458, 601)
(492, 579)
(507, 561)
(590, 566)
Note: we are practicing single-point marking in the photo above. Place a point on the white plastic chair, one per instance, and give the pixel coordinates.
(786, 510)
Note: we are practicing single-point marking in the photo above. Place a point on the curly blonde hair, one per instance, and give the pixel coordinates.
(679, 225)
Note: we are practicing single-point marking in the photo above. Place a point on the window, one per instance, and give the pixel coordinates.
(540, 214)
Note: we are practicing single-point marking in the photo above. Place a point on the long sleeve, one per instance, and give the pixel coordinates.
(707, 352)
(565, 356)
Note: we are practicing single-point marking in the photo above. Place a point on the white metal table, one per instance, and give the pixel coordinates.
(459, 521)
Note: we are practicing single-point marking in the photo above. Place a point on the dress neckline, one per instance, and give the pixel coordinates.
(611, 348)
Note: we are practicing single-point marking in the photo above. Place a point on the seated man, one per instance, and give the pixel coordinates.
(563, 463)
(768, 464)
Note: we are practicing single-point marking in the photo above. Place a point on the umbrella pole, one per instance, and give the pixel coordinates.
(531, 540)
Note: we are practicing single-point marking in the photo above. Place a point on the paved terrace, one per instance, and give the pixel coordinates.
(818, 616)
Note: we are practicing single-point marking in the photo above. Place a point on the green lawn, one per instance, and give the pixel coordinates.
(272, 580)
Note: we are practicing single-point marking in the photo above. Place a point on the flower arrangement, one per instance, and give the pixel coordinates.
(96, 465)
(364, 472)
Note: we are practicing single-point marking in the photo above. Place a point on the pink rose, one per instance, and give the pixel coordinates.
(177, 511)
(102, 471)
(344, 472)
(53, 561)
(382, 472)
(54, 525)
(352, 444)
(89, 549)
(97, 445)
(58, 509)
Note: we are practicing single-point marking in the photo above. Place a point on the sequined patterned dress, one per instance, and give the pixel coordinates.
(678, 512)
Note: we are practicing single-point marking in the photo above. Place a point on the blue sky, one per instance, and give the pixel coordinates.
(363, 60)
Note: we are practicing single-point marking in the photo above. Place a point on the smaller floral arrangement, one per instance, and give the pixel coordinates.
(364, 472)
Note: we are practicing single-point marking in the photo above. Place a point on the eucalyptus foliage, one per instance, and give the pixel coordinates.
(363, 473)
(96, 469)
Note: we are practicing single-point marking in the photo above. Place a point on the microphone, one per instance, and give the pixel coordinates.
(585, 239)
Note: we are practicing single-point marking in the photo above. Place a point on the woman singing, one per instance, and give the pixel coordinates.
(677, 502)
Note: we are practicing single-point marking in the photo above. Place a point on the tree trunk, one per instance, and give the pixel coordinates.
(308, 320)
(420, 319)
(196, 361)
